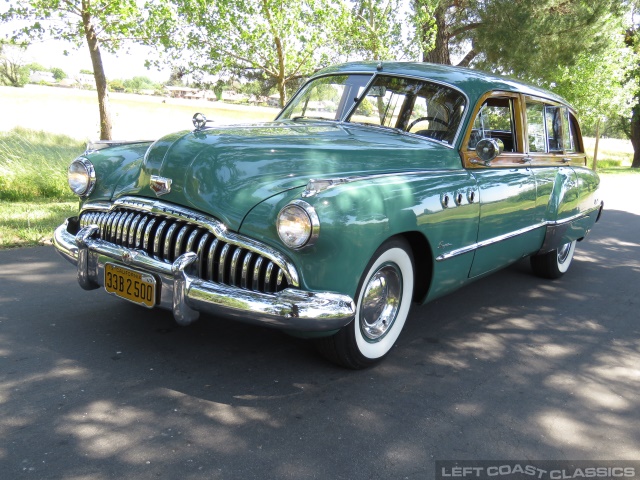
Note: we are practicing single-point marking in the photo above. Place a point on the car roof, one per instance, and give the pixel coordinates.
(474, 83)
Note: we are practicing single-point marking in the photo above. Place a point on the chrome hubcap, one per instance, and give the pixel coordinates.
(563, 253)
(380, 302)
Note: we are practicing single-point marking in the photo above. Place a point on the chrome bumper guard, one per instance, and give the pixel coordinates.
(187, 295)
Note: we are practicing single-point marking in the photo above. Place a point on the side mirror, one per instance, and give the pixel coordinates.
(489, 148)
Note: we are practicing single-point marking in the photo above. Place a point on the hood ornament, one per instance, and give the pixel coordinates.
(200, 121)
(160, 185)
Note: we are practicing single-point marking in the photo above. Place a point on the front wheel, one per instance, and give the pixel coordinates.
(555, 263)
(383, 301)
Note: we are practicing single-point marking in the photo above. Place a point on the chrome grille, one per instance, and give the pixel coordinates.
(166, 238)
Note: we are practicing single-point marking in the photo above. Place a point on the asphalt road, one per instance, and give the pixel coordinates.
(511, 367)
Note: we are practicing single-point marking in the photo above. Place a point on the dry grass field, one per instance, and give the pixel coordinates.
(74, 113)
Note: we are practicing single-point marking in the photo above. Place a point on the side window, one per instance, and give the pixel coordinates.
(572, 140)
(495, 120)
(553, 117)
(535, 127)
(551, 128)
(575, 134)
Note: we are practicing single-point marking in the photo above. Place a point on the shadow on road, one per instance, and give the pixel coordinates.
(509, 367)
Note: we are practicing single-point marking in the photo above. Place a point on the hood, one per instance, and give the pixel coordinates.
(227, 171)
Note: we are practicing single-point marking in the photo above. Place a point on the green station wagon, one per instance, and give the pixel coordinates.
(377, 186)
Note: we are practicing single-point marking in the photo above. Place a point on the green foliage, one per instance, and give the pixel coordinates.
(594, 84)
(58, 73)
(84, 71)
(520, 37)
(137, 84)
(282, 40)
(112, 20)
(116, 85)
(33, 165)
(533, 38)
(387, 30)
(36, 67)
(631, 125)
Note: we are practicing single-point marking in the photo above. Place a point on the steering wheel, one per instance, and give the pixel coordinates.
(427, 119)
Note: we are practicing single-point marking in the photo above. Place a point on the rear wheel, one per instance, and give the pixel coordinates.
(555, 263)
(383, 301)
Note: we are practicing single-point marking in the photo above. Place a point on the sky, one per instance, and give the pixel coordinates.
(128, 63)
(123, 65)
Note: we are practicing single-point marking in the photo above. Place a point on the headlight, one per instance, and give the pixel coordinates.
(298, 225)
(81, 177)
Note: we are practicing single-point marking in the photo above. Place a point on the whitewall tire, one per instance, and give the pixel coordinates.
(383, 302)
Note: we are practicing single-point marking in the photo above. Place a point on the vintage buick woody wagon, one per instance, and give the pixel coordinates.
(378, 185)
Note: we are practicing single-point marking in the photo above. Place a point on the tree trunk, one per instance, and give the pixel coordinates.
(282, 91)
(440, 53)
(635, 136)
(98, 72)
(594, 165)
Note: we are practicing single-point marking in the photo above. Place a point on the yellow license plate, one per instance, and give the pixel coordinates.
(137, 287)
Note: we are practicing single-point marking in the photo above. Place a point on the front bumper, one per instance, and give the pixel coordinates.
(187, 296)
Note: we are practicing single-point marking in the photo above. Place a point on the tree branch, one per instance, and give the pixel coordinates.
(465, 28)
(294, 74)
(468, 58)
(73, 8)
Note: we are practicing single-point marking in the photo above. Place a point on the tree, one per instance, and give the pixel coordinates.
(13, 70)
(513, 37)
(137, 84)
(36, 67)
(58, 73)
(386, 30)
(282, 40)
(594, 85)
(97, 24)
(631, 126)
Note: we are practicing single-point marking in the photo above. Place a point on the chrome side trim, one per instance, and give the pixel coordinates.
(489, 241)
(506, 236)
(318, 185)
(187, 296)
(217, 228)
(95, 145)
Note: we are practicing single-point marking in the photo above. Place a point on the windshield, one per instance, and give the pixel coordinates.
(416, 106)
(327, 98)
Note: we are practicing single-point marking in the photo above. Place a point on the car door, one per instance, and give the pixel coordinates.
(507, 186)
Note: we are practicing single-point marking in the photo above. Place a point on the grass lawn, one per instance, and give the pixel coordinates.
(32, 223)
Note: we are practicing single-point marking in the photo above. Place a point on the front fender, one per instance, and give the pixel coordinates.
(115, 166)
(358, 216)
